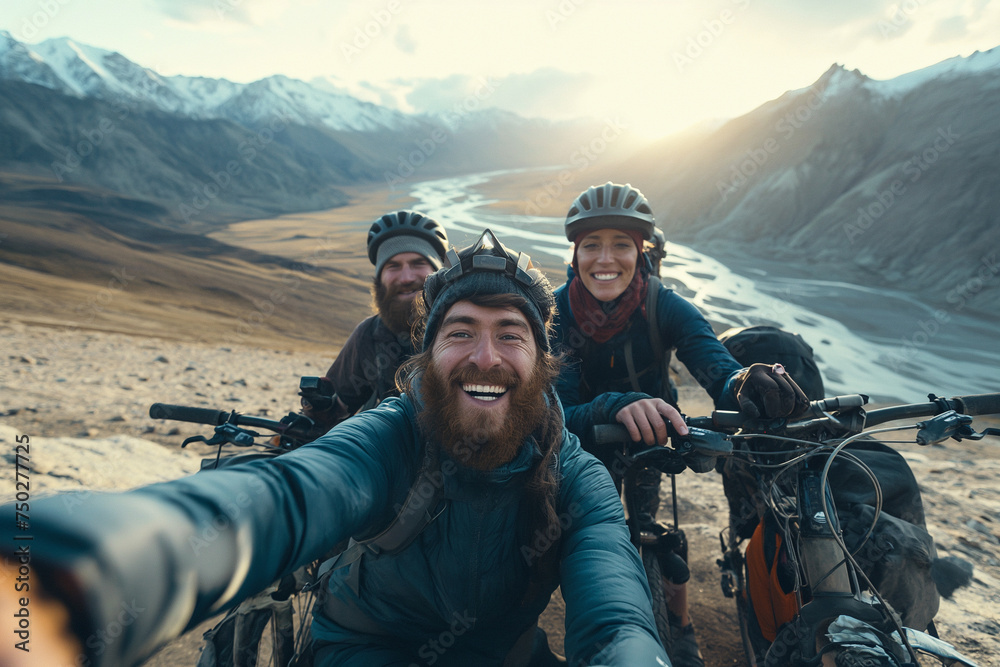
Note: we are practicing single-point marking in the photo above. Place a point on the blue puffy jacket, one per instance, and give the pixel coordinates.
(178, 552)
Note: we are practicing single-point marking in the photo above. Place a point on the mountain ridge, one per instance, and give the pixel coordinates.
(211, 151)
(892, 182)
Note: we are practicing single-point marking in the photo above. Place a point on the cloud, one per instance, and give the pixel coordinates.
(820, 14)
(384, 95)
(546, 92)
(196, 12)
(948, 29)
(404, 40)
(435, 95)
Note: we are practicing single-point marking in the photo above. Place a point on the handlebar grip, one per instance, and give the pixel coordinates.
(980, 404)
(183, 413)
(607, 434)
(727, 419)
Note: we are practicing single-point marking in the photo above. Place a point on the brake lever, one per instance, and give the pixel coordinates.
(704, 442)
(945, 425)
(968, 433)
(225, 433)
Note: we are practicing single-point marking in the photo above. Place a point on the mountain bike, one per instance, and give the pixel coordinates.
(827, 611)
(662, 547)
(272, 627)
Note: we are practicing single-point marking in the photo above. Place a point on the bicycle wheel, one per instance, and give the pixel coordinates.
(787, 651)
(754, 645)
(654, 577)
(283, 638)
(850, 657)
(263, 632)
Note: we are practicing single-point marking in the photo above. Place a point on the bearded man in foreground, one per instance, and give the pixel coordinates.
(498, 503)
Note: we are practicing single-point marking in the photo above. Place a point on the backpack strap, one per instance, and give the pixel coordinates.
(652, 299)
(417, 512)
(656, 342)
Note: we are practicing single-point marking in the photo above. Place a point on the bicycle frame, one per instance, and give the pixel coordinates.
(837, 604)
(284, 608)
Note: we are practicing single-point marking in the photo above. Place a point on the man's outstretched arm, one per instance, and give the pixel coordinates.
(139, 568)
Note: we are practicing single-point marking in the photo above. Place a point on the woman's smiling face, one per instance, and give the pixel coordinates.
(607, 261)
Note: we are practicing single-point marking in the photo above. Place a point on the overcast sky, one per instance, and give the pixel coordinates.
(656, 65)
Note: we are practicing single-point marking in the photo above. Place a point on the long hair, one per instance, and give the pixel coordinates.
(538, 507)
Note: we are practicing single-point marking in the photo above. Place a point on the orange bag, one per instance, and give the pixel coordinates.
(772, 605)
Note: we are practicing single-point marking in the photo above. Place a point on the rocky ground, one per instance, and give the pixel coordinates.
(83, 399)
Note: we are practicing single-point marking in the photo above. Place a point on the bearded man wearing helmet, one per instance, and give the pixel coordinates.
(614, 371)
(405, 247)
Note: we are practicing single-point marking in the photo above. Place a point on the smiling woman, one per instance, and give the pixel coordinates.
(615, 369)
(606, 260)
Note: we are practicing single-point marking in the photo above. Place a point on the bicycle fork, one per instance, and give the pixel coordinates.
(824, 562)
(831, 582)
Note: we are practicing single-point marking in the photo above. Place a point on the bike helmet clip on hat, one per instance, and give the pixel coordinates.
(487, 267)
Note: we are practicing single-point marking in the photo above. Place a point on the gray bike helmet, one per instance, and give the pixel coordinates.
(612, 206)
(406, 231)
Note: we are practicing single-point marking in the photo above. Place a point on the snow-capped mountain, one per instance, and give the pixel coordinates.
(86, 71)
(90, 117)
(892, 180)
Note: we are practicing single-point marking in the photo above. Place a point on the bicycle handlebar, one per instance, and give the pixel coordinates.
(976, 404)
(979, 404)
(183, 413)
(818, 413)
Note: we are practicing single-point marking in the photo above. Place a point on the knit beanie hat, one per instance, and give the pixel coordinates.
(406, 243)
(406, 231)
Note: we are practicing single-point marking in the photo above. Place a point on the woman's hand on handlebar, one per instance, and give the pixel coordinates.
(646, 420)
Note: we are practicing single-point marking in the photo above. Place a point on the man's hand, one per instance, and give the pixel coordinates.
(328, 417)
(644, 420)
(50, 641)
(766, 390)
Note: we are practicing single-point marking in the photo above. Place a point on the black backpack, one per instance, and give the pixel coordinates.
(769, 345)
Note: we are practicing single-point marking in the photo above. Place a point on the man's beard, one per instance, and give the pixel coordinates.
(482, 438)
(397, 314)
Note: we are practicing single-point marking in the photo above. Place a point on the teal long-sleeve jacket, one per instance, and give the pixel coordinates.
(174, 554)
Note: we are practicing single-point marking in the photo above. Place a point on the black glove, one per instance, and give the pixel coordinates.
(314, 404)
(766, 390)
